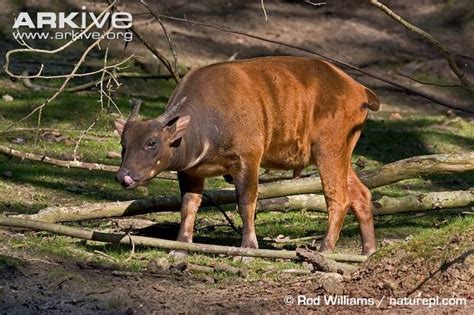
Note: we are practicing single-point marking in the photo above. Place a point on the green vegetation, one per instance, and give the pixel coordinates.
(7, 262)
(33, 186)
(452, 239)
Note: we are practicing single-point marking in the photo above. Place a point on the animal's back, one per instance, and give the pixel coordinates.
(276, 105)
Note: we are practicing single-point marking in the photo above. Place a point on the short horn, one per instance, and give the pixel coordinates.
(136, 103)
(171, 111)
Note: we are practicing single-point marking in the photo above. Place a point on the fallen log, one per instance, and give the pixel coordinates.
(388, 174)
(310, 202)
(164, 244)
(382, 206)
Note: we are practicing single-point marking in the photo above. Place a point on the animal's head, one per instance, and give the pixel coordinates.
(147, 145)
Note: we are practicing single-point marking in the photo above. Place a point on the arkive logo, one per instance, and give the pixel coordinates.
(74, 20)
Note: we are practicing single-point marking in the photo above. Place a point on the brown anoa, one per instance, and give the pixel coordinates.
(234, 117)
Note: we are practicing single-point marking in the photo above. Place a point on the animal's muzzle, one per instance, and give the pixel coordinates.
(124, 178)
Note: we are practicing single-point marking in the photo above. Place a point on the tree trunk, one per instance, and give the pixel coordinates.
(388, 174)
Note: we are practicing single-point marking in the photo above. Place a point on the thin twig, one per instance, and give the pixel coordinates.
(61, 88)
(53, 51)
(315, 3)
(43, 261)
(231, 223)
(38, 125)
(165, 31)
(67, 77)
(105, 255)
(81, 87)
(427, 83)
(78, 142)
(71, 75)
(339, 62)
(430, 39)
(132, 251)
(101, 81)
(264, 11)
(154, 51)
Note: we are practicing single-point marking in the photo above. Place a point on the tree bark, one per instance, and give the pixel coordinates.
(323, 263)
(164, 244)
(388, 174)
(385, 205)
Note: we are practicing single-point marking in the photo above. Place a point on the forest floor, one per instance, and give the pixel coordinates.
(420, 255)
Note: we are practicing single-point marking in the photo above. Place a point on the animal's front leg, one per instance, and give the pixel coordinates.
(191, 195)
(246, 185)
(189, 207)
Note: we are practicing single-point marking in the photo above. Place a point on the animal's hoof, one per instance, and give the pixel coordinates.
(243, 259)
(368, 251)
(178, 254)
(325, 249)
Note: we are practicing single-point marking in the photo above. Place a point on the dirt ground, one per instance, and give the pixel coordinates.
(51, 285)
(347, 30)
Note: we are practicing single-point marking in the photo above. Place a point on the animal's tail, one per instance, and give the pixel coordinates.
(373, 102)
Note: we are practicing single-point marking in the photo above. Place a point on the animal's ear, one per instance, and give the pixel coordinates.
(177, 127)
(119, 125)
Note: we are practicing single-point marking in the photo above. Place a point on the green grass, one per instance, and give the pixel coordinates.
(8, 262)
(33, 186)
(450, 240)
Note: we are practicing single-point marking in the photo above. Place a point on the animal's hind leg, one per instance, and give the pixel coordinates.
(360, 200)
(246, 184)
(333, 165)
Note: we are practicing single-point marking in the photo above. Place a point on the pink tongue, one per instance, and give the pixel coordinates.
(128, 180)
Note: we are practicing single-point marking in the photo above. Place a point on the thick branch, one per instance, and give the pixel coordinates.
(388, 174)
(48, 160)
(164, 244)
(385, 205)
(68, 164)
(430, 40)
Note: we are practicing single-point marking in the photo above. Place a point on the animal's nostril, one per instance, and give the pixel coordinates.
(121, 174)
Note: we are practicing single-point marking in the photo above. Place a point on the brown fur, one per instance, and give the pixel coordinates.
(274, 112)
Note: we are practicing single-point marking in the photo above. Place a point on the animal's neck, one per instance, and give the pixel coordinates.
(188, 154)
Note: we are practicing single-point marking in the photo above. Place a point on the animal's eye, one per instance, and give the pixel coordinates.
(151, 144)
